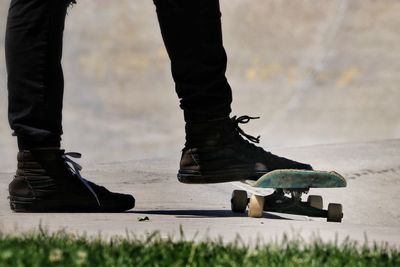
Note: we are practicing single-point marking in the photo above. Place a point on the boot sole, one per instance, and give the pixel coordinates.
(224, 176)
(23, 204)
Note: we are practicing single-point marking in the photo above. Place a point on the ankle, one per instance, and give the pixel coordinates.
(25, 143)
(209, 132)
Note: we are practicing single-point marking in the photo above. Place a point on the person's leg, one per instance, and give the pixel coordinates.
(46, 179)
(191, 31)
(215, 150)
(35, 79)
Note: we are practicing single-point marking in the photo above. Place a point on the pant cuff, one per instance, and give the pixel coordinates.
(29, 144)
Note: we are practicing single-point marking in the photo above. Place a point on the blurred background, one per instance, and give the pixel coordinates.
(317, 72)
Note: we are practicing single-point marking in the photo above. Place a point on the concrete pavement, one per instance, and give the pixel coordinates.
(370, 201)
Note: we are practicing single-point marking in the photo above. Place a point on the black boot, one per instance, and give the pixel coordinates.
(47, 180)
(215, 152)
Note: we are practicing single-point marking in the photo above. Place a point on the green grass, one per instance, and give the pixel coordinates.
(42, 249)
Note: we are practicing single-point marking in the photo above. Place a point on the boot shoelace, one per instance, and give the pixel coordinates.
(243, 120)
(75, 168)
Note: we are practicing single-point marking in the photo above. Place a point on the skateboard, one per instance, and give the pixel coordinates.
(289, 186)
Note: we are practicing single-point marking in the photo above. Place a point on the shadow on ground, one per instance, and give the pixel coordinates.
(203, 214)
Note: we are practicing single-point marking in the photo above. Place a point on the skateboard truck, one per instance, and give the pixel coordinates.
(281, 203)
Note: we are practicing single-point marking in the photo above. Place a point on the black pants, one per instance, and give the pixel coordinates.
(191, 31)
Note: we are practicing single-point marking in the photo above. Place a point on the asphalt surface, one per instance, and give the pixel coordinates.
(323, 76)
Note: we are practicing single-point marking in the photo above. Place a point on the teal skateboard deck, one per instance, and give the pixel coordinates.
(289, 186)
(298, 179)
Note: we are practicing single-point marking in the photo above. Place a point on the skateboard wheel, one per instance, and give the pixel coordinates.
(256, 206)
(239, 201)
(335, 212)
(315, 201)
